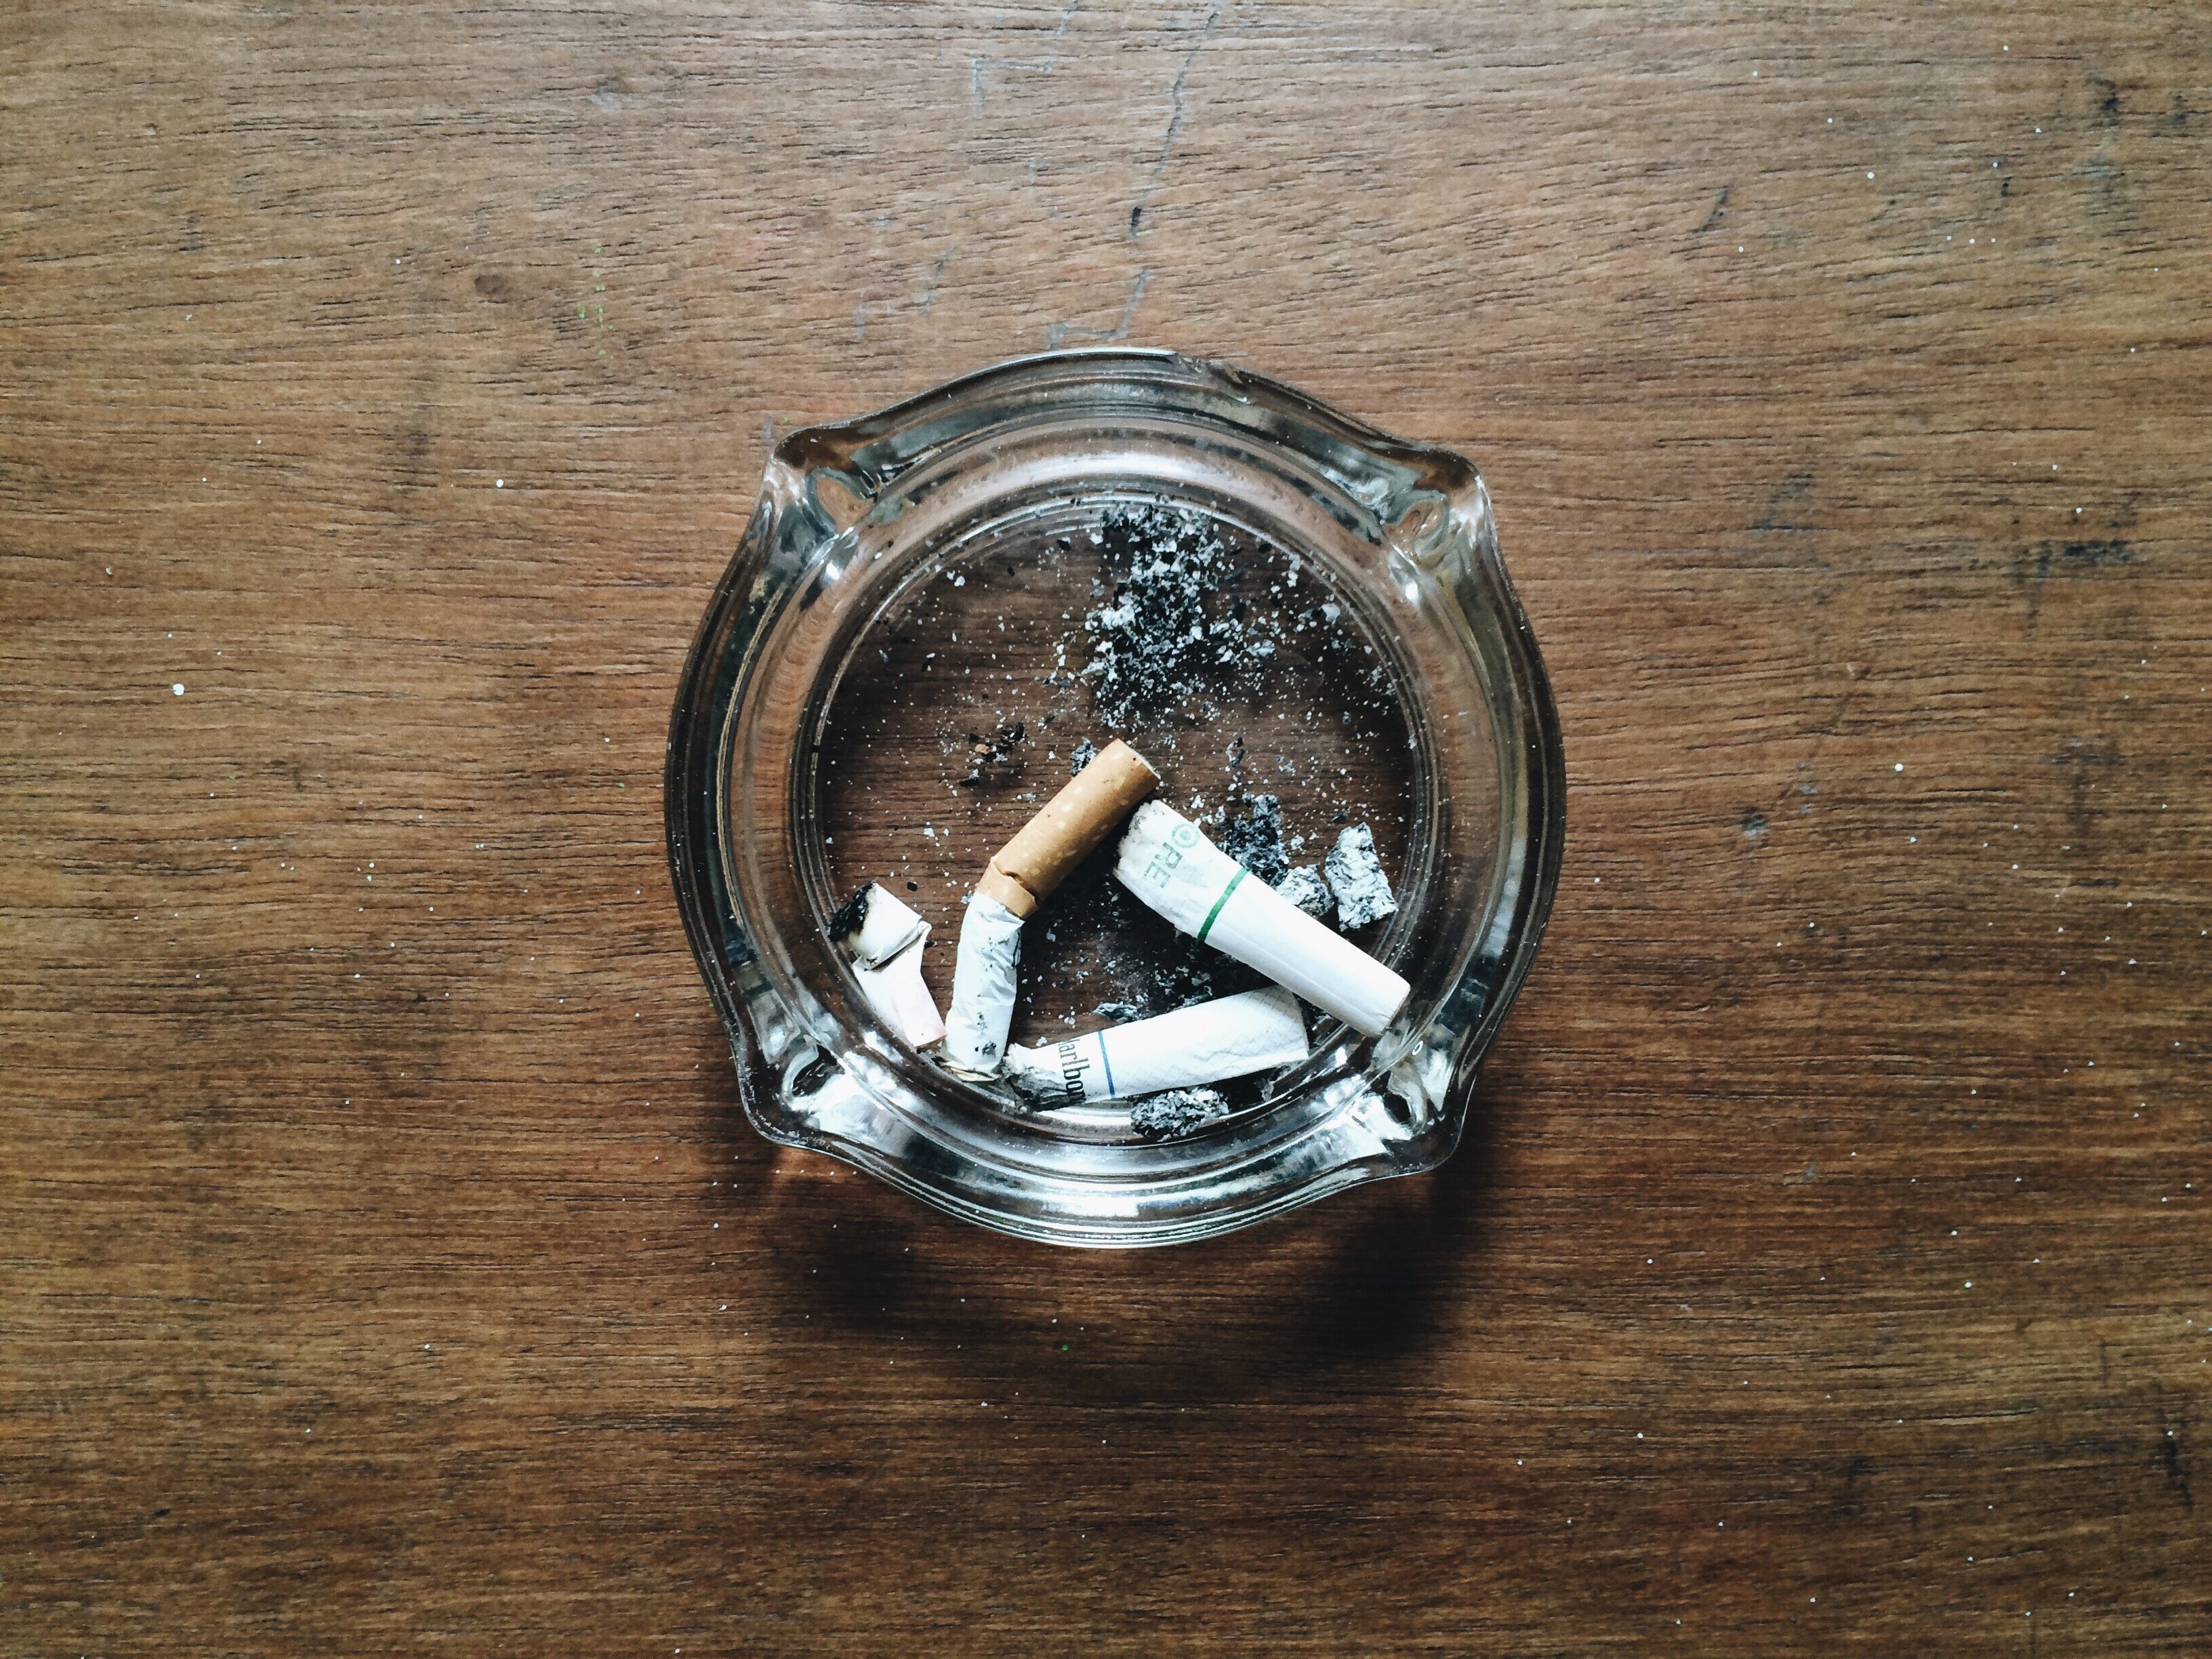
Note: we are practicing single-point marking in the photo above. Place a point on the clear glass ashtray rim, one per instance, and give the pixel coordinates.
(1430, 505)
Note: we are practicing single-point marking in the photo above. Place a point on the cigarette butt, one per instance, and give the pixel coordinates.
(894, 989)
(873, 926)
(1208, 1043)
(1203, 892)
(885, 940)
(983, 969)
(1023, 873)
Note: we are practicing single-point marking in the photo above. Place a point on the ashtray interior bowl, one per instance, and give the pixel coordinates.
(905, 653)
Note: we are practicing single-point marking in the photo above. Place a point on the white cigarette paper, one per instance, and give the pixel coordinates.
(887, 926)
(1204, 892)
(886, 950)
(982, 987)
(1210, 1042)
(897, 995)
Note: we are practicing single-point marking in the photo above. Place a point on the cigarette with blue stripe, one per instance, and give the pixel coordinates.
(1208, 1042)
(1168, 863)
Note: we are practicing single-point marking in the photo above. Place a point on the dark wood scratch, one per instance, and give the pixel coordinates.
(1175, 123)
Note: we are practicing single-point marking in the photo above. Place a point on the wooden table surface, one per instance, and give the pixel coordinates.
(384, 1264)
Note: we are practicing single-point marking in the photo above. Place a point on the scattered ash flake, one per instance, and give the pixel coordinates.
(1177, 1113)
(1174, 630)
(1145, 968)
(987, 752)
(1355, 876)
(1081, 755)
(1167, 986)
(1256, 841)
(1304, 888)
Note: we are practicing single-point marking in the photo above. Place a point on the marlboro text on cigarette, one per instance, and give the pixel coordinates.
(1207, 1043)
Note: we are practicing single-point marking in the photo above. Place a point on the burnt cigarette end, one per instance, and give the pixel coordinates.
(848, 918)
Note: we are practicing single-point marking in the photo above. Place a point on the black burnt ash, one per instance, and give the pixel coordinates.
(1256, 841)
(1175, 633)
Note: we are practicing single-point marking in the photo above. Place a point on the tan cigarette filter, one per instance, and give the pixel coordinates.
(1023, 873)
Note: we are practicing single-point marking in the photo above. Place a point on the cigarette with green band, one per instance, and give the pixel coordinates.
(1166, 862)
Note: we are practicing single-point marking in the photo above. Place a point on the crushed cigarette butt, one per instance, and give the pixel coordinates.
(1210, 1042)
(885, 940)
(1020, 877)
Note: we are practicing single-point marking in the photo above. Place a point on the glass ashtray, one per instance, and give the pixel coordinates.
(1304, 625)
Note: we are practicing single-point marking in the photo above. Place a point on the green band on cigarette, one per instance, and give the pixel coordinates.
(1219, 903)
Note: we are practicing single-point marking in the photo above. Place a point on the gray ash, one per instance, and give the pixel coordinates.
(1178, 1112)
(1081, 755)
(1176, 628)
(1304, 888)
(1355, 876)
(1256, 841)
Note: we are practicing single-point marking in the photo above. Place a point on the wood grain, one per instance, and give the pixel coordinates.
(386, 1266)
